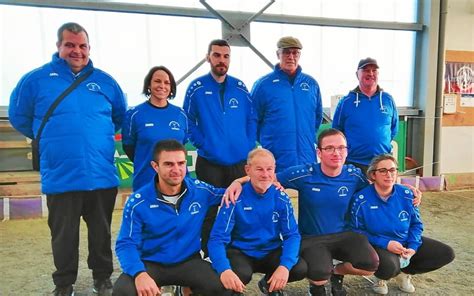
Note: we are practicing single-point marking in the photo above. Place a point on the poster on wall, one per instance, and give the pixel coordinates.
(459, 78)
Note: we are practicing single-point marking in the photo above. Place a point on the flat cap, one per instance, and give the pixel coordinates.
(289, 42)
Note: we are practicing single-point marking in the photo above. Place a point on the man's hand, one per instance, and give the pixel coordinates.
(279, 279)
(231, 281)
(146, 286)
(416, 193)
(395, 247)
(233, 191)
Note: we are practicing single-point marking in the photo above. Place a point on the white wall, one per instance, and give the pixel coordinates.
(457, 143)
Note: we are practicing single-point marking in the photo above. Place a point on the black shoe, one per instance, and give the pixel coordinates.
(64, 291)
(317, 290)
(263, 287)
(102, 287)
(337, 289)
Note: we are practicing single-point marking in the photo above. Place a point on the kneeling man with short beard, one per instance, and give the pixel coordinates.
(159, 240)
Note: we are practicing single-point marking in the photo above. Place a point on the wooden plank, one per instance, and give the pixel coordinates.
(459, 56)
(20, 177)
(14, 144)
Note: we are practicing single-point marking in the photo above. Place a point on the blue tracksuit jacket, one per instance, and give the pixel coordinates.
(155, 230)
(369, 124)
(381, 221)
(143, 127)
(77, 145)
(222, 122)
(256, 225)
(289, 116)
(323, 201)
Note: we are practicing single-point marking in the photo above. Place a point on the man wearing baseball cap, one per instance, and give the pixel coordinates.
(367, 116)
(289, 109)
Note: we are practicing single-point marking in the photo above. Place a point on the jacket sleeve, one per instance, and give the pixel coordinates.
(394, 127)
(220, 238)
(119, 107)
(319, 108)
(289, 232)
(338, 122)
(129, 139)
(251, 123)
(415, 230)
(358, 224)
(129, 240)
(192, 112)
(258, 106)
(22, 107)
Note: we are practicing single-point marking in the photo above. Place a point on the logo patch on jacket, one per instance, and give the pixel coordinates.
(233, 103)
(304, 86)
(403, 216)
(92, 86)
(343, 190)
(194, 208)
(174, 125)
(275, 217)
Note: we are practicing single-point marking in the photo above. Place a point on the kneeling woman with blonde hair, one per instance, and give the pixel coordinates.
(385, 213)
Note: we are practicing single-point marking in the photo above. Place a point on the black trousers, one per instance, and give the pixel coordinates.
(65, 211)
(244, 266)
(319, 251)
(195, 273)
(430, 256)
(218, 176)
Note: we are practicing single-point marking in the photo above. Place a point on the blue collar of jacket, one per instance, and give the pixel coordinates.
(60, 65)
(212, 82)
(282, 74)
(158, 195)
(249, 188)
(357, 90)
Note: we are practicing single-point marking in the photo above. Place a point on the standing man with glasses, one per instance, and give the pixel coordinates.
(76, 149)
(222, 125)
(289, 109)
(367, 116)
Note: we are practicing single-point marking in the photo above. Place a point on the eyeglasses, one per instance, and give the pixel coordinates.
(287, 52)
(332, 149)
(385, 171)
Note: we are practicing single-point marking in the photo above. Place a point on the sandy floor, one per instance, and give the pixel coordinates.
(448, 216)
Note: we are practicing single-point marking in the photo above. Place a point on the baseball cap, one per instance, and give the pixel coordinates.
(367, 61)
(289, 42)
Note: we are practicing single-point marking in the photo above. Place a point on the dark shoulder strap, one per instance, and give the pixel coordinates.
(59, 99)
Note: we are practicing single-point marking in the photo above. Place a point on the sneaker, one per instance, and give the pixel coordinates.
(102, 287)
(314, 290)
(380, 287)
(64, 291)
(337, 289)
(263, 287)
(405, 284)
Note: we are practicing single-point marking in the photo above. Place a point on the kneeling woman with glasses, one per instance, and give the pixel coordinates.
(385, 213)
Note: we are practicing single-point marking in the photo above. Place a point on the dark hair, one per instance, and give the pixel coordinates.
(71, 27)
(218, 42)
(329, 132)
(376, 160)
(167, 145)
(147, 81)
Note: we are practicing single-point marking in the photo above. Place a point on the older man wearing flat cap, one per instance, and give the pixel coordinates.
(367, 116)
(289, 108)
